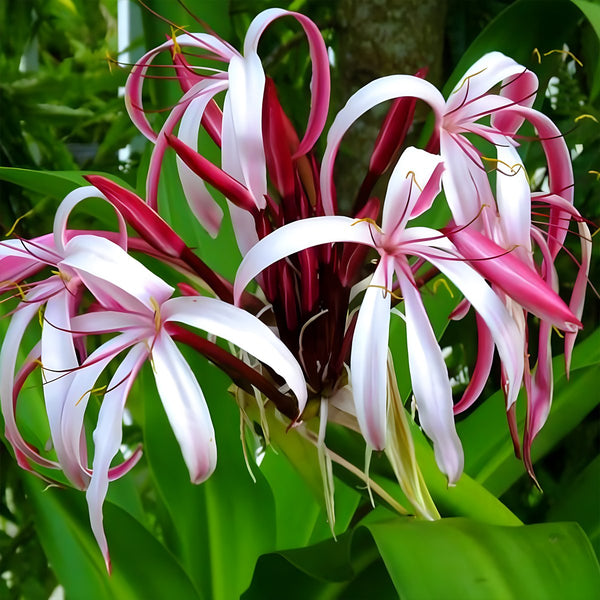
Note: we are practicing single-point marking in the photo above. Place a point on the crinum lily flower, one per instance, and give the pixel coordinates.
(413, 186)
(139, 308)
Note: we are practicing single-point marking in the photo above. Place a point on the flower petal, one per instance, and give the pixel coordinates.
(430, 382)
(242, 329)
(107, 439)
(186, 408)
(368, 360)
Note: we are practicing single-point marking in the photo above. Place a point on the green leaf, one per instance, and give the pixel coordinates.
(519, 29)
(461, 558)
(580, 502)
(56, 184)
(221, 527)
(591, 11)
(142, 567)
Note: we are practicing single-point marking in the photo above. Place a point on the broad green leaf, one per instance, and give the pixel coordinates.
(580, 502)
(56, 184)
(142, 567)
(519, 29)
(221, 527)
(461, 558)
(591, 10)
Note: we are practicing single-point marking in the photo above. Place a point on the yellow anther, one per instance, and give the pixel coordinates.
(41, 315)
(514, 169)
(558, 332)
(537, 54)
(442, 281)
(97, 390)
(14, 284)
(367, 220)
(467, 78)
(586, 116)
(176, 46)
(567, 52)
(14, 226)
(156, 307)
(387, 291)
(414, 179)
(596, 173)
(66, 278)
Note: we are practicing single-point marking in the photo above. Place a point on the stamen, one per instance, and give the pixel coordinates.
(537, 54)
(465, 80)
(387, 291)
(585, 116)
(97, 390)
(596, 173)
(14, 226)
(567, 52)
(414, 179)
(157, 319)
(176, 46)
(558, 332)
(442, 281)
(367, 220)
(514, 169)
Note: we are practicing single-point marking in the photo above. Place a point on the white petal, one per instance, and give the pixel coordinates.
(430, 382)
(186, 408)
(296, 236)
(107, 439)
(380, 90)
(242, 329)
(368, 361)
(115, 278)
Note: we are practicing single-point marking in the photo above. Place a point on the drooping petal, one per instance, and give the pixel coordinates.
(514, 277)
(242, 329)
(11, 346)
(430, 381)
(185, 407)
(368, 360)
(107, 439)
(59, 362)
(502, 326)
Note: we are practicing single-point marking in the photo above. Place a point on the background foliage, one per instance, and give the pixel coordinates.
(230, 537)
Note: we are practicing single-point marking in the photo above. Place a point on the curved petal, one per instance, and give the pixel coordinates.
(320, 83)
(59, 362)
(296, 236)
(133, 87)
(242, 329)
(245, 101)
(116, 279)
(380, 90)
(11, 346)
(68, 204)
(429, 376)
(368, 360)
(107, 439)
(186, 408)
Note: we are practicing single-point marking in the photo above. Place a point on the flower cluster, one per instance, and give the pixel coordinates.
(318, 324)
